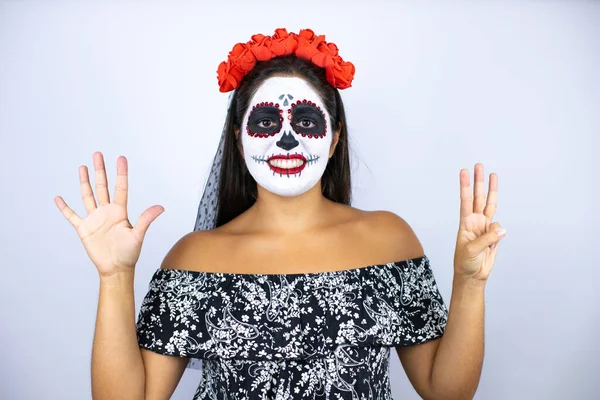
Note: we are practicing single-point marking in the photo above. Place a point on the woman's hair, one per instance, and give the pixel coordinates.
(237, 188)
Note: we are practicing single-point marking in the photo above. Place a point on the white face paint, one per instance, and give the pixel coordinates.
(286, 136)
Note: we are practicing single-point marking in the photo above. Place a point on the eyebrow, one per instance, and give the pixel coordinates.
(303, 109)
(267, 109)
(265, 104)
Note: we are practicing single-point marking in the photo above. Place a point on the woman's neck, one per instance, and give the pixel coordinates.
(274, 213)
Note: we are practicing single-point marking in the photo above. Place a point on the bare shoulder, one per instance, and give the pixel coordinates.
(190, 251)
(394, 236)
(390, 222)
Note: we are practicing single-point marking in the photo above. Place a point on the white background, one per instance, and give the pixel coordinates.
(438, 87)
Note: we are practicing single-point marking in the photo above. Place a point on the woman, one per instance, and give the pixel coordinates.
(284, 290)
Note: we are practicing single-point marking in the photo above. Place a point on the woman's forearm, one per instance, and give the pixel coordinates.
(117, 365)
(458, 362)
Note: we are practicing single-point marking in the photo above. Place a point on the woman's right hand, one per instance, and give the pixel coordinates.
(111, 242)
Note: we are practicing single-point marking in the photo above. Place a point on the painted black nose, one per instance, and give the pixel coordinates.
(287, 141)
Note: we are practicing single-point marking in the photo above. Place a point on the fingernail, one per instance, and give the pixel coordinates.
(501, 233)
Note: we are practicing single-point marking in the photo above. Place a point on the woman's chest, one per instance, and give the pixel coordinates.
(301, 253)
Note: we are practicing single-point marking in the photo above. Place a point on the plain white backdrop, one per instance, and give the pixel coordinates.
(438, 87)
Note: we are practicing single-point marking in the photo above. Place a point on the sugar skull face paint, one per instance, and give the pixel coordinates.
(286, 136)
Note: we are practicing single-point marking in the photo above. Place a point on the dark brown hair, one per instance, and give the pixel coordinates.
(237, 188)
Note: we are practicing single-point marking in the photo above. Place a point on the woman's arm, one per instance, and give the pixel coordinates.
(117, 365)
(120, 369)
(459, 358)
(450, 367)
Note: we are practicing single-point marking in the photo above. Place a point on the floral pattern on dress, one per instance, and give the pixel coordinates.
(323, 335)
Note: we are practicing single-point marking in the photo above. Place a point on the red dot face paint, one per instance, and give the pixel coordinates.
(309, 120)
(264, 120)
(284, 154)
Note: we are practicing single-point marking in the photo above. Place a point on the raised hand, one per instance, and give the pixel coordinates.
(478, 237)
(111, 242)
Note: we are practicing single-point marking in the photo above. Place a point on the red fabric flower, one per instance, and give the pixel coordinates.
(282, 43)
(340, 74)
(260, 47)
(229, 76)
(244, 56)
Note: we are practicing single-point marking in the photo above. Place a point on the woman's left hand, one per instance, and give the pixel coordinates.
(477, 239)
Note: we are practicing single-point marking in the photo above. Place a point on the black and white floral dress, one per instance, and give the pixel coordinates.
(324, 335)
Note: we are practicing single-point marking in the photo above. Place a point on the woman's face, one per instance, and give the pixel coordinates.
(286, 136)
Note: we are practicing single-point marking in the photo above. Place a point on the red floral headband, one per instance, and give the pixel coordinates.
(243, 57)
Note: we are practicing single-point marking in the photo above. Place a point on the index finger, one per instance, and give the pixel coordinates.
(492, 198)
(466, 194)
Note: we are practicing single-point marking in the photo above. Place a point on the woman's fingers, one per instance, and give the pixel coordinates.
(87, 194)
(146, 219)
(100, 178)
(479, 190)
(466, 195)
(492, 198)
(121, 187)
(67, 212)
(475, 200)
(479, 244)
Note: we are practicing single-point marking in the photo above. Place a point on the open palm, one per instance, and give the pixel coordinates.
(110, 240)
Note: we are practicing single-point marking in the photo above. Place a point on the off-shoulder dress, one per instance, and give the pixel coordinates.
(322, 335)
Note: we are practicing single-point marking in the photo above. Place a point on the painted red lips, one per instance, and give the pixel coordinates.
(286, 164)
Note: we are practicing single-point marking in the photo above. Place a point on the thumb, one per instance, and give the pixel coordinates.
(487, 239)
(147, 217)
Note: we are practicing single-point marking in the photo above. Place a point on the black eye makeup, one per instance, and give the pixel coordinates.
(308, 119)
(264, 120)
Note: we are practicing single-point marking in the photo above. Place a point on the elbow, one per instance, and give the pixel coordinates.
(463, 393)
(118, 392)
(446, 396)
(453, 389)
